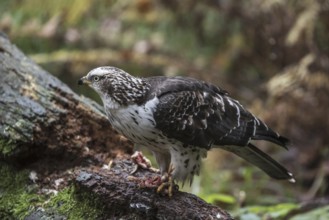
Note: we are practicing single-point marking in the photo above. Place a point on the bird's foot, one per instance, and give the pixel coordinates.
(141, 161)
(167, 183)
(152, 182)
(167, 187)
(164, 184)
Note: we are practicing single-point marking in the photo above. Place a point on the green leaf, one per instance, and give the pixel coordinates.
(213, 198)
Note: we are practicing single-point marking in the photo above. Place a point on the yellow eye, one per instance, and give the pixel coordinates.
(96, 78)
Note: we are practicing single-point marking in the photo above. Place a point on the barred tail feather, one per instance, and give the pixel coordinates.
(265, 133)
(263, 161)
(276, 139)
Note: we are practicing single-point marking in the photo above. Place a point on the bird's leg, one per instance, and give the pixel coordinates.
(141, 161)
(167, 182)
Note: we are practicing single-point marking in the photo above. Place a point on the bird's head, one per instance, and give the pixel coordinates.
(116, 87)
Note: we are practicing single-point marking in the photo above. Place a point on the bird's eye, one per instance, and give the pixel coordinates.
(96, 78)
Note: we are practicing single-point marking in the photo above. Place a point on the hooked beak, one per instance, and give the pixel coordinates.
(83, 80)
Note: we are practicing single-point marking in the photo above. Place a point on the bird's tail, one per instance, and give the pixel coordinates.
(265, 133)
(263, 161)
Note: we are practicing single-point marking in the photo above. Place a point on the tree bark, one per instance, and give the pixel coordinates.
(38, 112)
(45, 126)
(123, 194)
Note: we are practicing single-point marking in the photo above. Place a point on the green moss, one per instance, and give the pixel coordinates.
(6, 147)
(17, 197)
(76, 205)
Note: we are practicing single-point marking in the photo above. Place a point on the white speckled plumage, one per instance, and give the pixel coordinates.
(137, 124)
(179, 119)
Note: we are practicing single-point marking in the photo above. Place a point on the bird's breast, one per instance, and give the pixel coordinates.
(136, 122)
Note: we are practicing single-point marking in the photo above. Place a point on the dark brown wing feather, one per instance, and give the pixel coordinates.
(184, 108)
(201, 114)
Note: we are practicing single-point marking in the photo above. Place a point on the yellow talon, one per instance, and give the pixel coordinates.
(167, 182)
(170, 184)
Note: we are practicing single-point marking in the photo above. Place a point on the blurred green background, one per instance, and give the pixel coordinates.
(271, 55)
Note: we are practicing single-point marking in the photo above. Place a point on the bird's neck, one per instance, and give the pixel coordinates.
(127, 92)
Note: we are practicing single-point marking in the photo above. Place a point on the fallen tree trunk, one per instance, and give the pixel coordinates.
(38, 112)
(47, 128)
(123, 195)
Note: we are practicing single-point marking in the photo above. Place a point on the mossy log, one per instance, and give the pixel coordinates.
(47, 128)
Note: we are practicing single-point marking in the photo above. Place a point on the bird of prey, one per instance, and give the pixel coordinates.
(179, 119)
